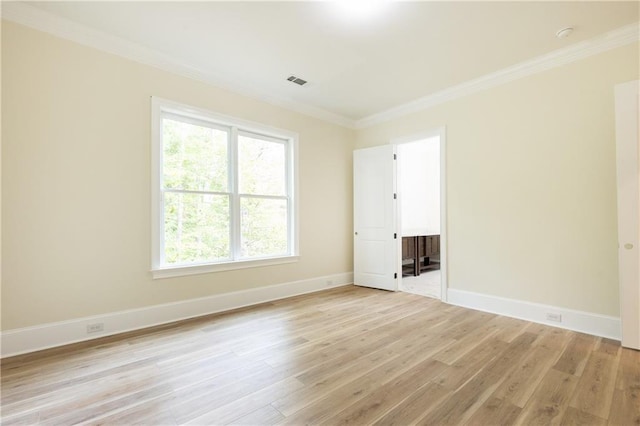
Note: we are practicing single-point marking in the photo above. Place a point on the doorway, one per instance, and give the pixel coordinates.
(420, 188)
(377, 225)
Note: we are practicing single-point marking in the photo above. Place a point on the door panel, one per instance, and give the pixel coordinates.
(628, 180)
(375, 247)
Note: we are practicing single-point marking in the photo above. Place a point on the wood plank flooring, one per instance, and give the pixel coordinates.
(344, 356)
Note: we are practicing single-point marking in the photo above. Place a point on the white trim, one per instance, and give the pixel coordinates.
(183, 270)
(444, 231)
(602, 43)
(294, 190)
(33, 17)
(397, 222)
(585, 322)
(30, 339)
(441, 133)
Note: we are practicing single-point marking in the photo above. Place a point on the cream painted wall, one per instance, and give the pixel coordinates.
(531, 183)
(76, 183)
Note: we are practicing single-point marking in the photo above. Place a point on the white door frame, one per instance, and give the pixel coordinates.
(441, 132)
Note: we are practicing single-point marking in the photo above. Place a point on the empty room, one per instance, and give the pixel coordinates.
(320, 212)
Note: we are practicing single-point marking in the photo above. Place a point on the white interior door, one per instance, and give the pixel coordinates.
(628, 179)
(375, 235)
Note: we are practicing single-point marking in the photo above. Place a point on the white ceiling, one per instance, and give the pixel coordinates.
(355, 68)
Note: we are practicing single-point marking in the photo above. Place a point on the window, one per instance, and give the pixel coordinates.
(223, 192)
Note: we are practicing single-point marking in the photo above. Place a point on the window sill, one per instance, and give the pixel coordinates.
(179, 271)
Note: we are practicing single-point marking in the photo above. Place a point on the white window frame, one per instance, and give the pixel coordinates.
(161, 107)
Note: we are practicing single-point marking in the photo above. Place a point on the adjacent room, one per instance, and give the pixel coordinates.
(418, 188)
(320, 212)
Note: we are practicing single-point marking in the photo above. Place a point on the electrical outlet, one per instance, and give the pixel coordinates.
(95, 328)
(554, 317)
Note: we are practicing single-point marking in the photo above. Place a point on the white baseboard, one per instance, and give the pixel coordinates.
(585, 322)
(30, 339)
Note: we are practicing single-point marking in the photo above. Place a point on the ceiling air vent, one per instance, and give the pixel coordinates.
(297, 80)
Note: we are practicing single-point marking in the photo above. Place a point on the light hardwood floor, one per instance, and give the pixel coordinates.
(344, 356)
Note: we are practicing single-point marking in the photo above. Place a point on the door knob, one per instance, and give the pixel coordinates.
(356, 233)
(628, 246)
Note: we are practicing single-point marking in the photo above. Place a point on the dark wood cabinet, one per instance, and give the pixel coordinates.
(419, 249)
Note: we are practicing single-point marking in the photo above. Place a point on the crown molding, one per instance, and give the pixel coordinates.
(41, 20)
(33, 17)
(611, 40)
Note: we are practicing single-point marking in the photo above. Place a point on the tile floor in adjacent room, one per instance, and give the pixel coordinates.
(425, 284)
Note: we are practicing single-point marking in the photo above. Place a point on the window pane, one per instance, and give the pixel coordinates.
(196, 228)
(262, 166)
(264, 227)
(194, 157)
